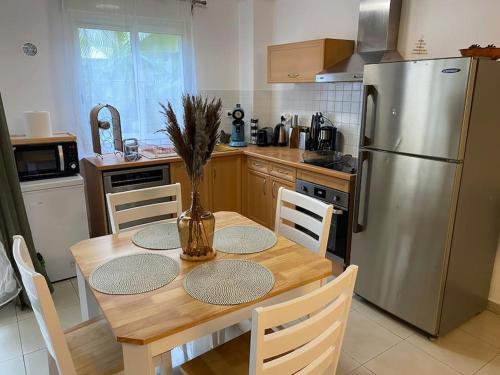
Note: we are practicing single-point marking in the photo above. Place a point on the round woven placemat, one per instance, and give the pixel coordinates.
(228, 282)
(133, 274)
(163, 236)
(243, 239)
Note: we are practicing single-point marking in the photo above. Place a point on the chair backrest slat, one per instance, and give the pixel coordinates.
(143, 212)
(146, 210)
(302, 357)
(291, 338)
(287, 219)
(43, 308)
(311, 345)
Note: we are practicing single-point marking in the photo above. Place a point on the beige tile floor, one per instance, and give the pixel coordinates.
(374, 343)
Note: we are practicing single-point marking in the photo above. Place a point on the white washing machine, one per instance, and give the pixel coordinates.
(58, 219)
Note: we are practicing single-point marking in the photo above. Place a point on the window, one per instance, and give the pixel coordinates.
(132, 71)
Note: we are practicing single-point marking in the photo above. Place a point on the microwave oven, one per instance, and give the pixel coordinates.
(36, 161)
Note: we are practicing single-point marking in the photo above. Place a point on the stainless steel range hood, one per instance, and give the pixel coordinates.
(378, 30)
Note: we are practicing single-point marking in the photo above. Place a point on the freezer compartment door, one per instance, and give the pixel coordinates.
(416, 107)
(401, 218)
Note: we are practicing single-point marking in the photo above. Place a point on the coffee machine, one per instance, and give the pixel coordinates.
(323, 137)
(238, 131)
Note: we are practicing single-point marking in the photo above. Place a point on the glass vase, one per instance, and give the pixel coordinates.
(196, 230)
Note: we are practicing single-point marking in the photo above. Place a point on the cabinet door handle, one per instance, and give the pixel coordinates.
(293, 75)
(273, 192)
(282, 171)
(264, 186)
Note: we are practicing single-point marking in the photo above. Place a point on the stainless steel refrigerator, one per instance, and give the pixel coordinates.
(427, 209)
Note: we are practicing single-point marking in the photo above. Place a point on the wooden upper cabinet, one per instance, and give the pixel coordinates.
(226, 184)
(300, 62)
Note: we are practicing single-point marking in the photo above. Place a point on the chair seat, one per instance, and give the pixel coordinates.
(231, 357)
(94, 348)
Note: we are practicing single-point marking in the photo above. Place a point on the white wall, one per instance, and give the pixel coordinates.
(216, 40)
(448, 25)
(298, 20)
(30, 83)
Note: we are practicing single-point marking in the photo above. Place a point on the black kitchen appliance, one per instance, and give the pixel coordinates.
(38, 161)
(338, 239)
(279, 135)
(331, 160)
(323, 137)
(327, 138)
(313, 141)
(265, 136)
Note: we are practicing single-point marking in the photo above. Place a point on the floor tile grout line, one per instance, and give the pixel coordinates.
(481, 339)
(437, 359)
(487, 363)
(21, 343)
(389, 348)
(374, 321)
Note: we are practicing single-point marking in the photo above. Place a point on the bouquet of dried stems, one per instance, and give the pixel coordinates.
(194, 144)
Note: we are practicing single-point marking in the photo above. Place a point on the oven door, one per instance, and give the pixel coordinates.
(35, 162)
(337, 241)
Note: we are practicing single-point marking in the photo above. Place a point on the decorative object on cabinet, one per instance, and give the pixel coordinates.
(300, 62)
(106, 135)
(195, 144)
(131, 149)
(475, 50)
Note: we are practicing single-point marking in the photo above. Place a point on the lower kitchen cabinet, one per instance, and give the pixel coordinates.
(226, 184)
(276, 184)
(258, 194)
(220, 189)
(178, 174)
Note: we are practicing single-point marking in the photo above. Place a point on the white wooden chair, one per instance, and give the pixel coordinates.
(89, 347)
(146, 211)
(287, 217)
(311, 346)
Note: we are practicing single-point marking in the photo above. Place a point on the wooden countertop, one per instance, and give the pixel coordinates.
(282, 155)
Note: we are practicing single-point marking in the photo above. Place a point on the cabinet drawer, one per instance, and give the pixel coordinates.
(283, 171)
(258, 165)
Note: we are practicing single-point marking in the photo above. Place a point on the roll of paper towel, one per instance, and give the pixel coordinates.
(38, 124)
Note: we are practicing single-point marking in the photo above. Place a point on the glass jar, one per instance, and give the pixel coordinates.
(196, 230)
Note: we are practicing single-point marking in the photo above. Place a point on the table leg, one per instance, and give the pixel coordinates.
(88, 305)
(138, 360)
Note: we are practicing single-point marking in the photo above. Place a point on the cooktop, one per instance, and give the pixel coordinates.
(340, 162)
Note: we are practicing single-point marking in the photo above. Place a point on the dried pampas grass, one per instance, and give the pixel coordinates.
(195, 143)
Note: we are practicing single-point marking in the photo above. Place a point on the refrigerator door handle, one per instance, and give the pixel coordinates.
(360, 186)
(367, 116)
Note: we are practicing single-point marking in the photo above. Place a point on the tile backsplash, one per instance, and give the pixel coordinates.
(340, 102)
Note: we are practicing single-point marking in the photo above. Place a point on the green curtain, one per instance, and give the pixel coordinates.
(13, 219)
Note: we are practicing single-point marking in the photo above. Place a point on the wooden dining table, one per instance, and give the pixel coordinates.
(153, 323)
